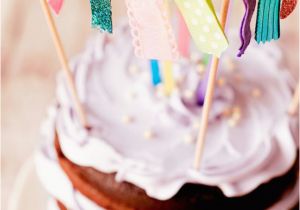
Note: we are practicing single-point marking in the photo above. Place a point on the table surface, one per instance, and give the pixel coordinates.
(28, 85)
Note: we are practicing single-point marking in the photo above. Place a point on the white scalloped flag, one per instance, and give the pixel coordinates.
(204, 26)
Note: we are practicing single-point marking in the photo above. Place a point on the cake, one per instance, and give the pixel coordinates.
(138, 151)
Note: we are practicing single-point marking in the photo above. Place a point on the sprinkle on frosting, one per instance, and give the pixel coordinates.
(126, 119)
(133, 69)
(149, 134)
(188, 94)
(229, 64)
(256, 92)
(188, 139)
(201, 69)
(235, 116)
(221, 81)
(196, 125)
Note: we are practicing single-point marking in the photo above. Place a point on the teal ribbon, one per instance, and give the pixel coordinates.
(101, 15)
(267, 22)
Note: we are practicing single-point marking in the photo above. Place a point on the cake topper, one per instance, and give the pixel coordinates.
(64, 61)
(287, 7)
(203, 25)
(101, 15)
(155, 72)
(209, 93)
(151, 30)
(245, 31)
(56, 5)
(183, 37)
(267, 22)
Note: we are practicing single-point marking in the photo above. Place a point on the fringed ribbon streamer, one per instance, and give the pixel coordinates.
(287, 7)
(101, 15)
(153, 37)
(56, 5)
(267, 22)
(245, 30)
(204, 26)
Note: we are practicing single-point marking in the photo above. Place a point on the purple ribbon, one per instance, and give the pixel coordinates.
(201, 90)
(245, 30)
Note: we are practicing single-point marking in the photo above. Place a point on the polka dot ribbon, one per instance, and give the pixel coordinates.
(56, 5)
(203, 25)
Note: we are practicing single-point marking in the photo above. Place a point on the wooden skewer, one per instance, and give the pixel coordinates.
(64, 61)
(209, 94)
(294, 105)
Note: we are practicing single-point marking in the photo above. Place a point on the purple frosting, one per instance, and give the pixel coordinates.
(245, 30)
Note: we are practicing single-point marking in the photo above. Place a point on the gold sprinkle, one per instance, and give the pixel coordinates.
(221, 82)
(133, 69)
(201, 69)
(126, 119)
(196, 125)
(148, 134)
(256, 92)
(132, 95)
(235, 116)
(227, 112)
(232, 122)
(188, 139)
(238, 77)
(189, 94)
(160, 91)
(229, 64)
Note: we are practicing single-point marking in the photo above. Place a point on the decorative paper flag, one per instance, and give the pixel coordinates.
(155, 72)
(168, 79)
(56, 5)
(201, 90)
(245, 31)
(267, 22)
(152, 33)
(101, 15)
(287, 7)
(203, 25)
(183, 37)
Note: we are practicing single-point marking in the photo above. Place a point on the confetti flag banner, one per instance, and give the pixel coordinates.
(56, 5)
(267, 22)
(287, 7)
(183, 37)
(153, 37)
(203, 25)
(245, 31)
(155, 72)
(102, 15)
(168, 79)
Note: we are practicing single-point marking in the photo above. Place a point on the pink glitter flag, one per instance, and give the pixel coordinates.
(56, 5)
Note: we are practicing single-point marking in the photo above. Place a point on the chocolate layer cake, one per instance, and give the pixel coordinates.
(139, 148)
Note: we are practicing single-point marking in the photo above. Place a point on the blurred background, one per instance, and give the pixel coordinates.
(29, 65)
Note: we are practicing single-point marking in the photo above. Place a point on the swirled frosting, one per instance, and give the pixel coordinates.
(148, 139)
